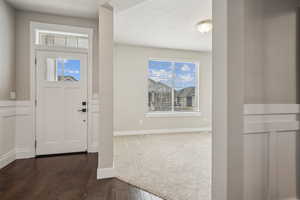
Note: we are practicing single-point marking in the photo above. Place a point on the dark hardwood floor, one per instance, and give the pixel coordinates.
(67, 177)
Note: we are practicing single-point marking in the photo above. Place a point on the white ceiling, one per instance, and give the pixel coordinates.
(157, 23)
(75, 8)
(165, 23)
(80, 8)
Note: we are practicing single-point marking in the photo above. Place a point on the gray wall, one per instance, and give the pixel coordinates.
(271, 51)
(254, 51)
(23, 19)
(131, 85)
(7, 50)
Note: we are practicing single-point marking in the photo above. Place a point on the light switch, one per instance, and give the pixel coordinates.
(141, 122)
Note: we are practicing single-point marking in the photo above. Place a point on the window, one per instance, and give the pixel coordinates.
(71, 70)
(172, 86)
(62, 70)
(61, 39)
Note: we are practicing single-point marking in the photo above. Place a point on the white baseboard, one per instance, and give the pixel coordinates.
(7, 158)
(22, 153)
(104, 173)
(93, 148)
(162, 131)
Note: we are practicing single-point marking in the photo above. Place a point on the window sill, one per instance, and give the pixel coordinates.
(173, 114)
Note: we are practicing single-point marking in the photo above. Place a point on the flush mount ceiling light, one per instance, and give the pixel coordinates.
(205, 26)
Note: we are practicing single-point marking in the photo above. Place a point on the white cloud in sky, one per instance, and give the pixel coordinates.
(72, 71)
(160, 75)
(186, 78)
(185, 68)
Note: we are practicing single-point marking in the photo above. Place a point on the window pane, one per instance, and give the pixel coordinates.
(71, 42)
(185, 84)
(54, 69)
(71, 70)
(61, 39)
(160, 76)
(62, 70)
(47, 40)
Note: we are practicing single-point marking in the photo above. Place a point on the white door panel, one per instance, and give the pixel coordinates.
(61, 89)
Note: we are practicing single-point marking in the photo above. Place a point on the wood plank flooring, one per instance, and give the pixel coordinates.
(67, 177)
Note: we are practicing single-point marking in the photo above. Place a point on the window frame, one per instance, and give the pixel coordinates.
(174, 113)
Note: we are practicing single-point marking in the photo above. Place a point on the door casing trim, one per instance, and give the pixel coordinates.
(33, 48)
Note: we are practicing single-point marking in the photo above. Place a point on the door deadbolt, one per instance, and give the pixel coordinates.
(83, 110)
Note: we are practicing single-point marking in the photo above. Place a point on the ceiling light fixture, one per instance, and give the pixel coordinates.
(205, 26)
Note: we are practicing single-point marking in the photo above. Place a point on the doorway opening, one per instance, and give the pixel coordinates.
(163, 80)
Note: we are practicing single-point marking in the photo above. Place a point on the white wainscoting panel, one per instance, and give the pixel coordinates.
(7, 132)
(287, 150)
(25, 136)
(272, 152)
(255, 166)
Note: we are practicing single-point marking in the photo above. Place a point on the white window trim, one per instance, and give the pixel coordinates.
(176, 113)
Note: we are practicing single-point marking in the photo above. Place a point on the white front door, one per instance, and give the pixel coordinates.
(61, 110)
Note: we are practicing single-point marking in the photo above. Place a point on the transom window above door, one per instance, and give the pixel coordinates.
(50, 38)
(173, 87)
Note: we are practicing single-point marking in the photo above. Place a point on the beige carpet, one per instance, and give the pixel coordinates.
(173, 166)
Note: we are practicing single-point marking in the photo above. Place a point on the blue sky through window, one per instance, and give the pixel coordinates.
(182, 76)
(161, 71)
(72, 68)
(185, 75)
